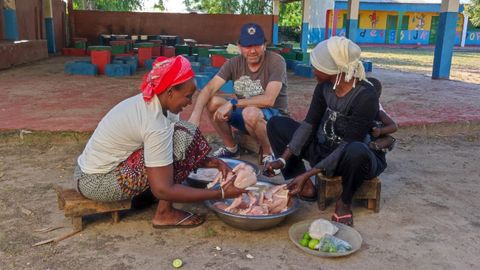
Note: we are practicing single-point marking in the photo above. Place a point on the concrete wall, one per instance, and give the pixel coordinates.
(30, 21)
(59, 23)
(22, 52)
(204, 28)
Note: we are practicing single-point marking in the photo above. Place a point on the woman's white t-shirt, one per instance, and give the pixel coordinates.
(128, 126)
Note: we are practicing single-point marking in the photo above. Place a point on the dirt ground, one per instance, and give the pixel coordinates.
(429, 217)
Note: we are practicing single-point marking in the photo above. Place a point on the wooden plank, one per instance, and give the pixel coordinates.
(75, 204)
(77, 208)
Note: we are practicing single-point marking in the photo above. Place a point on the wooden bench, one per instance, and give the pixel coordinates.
(76, 206)
(331, 187)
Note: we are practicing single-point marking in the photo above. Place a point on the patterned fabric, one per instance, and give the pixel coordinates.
(132, 174)
(189, 148)
(99, 186)
(165, 73)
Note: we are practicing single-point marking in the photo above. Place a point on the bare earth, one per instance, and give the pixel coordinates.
(429, 217)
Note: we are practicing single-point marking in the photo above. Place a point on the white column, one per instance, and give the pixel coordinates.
(464, 30)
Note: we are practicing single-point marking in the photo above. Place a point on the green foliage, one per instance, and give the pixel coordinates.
(473, 11)
(290, 14)
(159, 5)
(230, 6)
(108, 5)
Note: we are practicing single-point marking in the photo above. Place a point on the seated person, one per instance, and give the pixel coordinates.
(340, 116)
(260, 83)
(139, 145)
(380, 139)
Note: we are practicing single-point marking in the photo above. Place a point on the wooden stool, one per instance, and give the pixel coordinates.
(331, 187)
(247, 142)
(76, 206)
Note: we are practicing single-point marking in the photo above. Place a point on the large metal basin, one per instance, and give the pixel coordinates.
(252, 223)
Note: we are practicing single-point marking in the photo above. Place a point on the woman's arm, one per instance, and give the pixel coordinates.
(389, 126)
(163, 187)
(312, 120)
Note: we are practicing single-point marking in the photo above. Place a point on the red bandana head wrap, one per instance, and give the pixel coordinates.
(165, 73)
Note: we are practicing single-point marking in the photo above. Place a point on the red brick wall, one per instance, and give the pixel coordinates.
(204, 28)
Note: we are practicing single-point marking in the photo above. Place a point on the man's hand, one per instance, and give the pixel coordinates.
(297, 184)
(272, 165)
(223, 112)
(230, 191)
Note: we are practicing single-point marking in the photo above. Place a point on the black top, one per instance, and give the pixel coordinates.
(332, 122)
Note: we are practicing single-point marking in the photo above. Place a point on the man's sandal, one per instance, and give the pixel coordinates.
(346, 219)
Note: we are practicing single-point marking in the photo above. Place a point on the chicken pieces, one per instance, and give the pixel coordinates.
(274, 200)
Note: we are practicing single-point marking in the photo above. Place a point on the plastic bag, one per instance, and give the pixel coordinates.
(332, 244)
(320, 227)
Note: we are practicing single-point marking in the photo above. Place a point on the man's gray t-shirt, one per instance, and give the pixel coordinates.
(249, 84)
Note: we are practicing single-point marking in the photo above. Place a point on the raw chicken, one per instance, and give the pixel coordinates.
(272, 201)
(243, 175)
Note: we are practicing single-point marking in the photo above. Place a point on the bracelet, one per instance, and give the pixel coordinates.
(223, 192)
(283, 161)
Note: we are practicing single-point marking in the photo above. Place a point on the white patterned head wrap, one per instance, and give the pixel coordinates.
(338, 55)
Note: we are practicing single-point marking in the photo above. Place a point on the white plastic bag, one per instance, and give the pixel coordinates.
(320, 227)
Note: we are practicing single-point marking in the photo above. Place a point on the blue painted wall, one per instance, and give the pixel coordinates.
(10, 30)
(473, 38)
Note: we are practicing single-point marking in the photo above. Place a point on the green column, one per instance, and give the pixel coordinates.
(399, 27)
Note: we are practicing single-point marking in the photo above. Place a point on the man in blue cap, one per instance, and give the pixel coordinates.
(260, 84)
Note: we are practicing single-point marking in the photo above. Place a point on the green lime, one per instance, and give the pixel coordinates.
(312, 243)
(177, 263)
(307, 236)
(304, 242)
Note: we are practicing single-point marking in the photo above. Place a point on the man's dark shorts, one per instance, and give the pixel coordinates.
(236, 118)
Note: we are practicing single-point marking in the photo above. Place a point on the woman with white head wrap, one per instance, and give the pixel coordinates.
(331, 137)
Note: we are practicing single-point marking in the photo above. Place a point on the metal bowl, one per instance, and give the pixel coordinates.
(252, 223)
(194, 180)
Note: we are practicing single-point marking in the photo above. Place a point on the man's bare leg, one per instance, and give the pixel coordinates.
(222, 128)
(257, 127)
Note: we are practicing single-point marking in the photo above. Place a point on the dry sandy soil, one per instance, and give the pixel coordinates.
(429, 217)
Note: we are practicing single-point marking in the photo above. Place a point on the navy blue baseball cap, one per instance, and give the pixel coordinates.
(251, 34)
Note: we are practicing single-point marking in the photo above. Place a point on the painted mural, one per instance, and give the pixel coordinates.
(392, 27)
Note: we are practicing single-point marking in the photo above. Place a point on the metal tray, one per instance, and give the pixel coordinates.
(345, 232)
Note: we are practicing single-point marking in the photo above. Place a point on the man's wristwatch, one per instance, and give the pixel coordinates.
(234, 103)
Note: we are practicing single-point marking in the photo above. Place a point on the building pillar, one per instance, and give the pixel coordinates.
(49, 29)
(464, 29)
(305, 17)
(10, 27)
(276, 11)
(352, 19)
(442, 59)
(399, 27)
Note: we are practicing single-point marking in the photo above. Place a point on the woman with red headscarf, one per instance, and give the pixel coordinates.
(140, 145)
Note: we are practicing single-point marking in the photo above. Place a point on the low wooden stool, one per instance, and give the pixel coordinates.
(247, 142)
(331, 187)
(76, 206)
